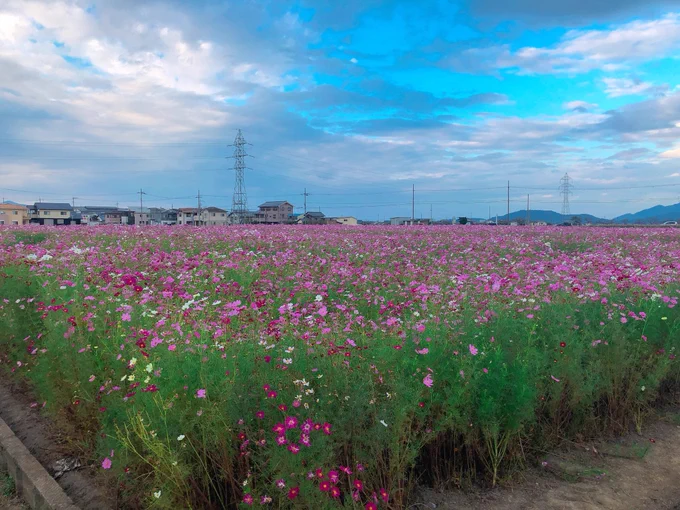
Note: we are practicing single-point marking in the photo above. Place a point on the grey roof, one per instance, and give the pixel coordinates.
(53, 206)
(214, 209)
(315, 214)
(275, 203)
(86, 208)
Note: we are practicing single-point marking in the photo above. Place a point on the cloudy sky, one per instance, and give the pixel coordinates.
(356, 101)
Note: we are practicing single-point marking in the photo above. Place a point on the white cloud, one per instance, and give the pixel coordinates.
(137, 72)
(618, 87)
(671, 154)
(581, 51)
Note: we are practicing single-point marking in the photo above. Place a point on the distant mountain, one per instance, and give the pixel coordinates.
(656, 214)
(549, 217)
(10, 202)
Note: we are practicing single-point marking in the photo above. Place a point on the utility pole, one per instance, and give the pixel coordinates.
(198, 216)
(489, 213)
(508, 202)
(305, 194)
(413, 204)
(239, 205)
(528, 213)
(73, 199)
(430, 213)
(141, 203)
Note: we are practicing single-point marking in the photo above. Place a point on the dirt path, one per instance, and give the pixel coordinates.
(48, 445)
(636, 473)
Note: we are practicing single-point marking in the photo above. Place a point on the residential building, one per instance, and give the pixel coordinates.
(206, 216)
(346, 220)
(277, 211)
(187, 216)
(13, 214)
(248, 217)
(161, 216)
(95, 214)
(214, 216)
(49, 213)
(399, 220)
(119, 217)
(313, 218)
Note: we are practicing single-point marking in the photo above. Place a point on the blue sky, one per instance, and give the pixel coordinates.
(356, 101)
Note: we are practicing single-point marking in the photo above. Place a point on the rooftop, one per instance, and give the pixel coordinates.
(275, 203)
(11, 207)
(53, 206)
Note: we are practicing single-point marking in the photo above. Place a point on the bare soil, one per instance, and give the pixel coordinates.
(48, 445)
(11, 503)
(637, 472)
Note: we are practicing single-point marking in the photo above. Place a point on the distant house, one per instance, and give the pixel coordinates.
(399, 220)
(95, 214)
(346, 220)
(119, 217)
(277, 211)
(214, 216)
(13, 214)
(50, 213)
(418, 221)
(161, 216)
(313, 218)
(204, 216)
(246, 218)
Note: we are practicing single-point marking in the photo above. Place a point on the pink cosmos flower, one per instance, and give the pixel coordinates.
(106, 463)
(291, 422)
(554, 378)
(248, 499)
(422, 351)
(473, 350)
(200, 393)
(427, 381)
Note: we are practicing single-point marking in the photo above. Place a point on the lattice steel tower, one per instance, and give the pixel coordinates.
(565, 191)
(239, 206)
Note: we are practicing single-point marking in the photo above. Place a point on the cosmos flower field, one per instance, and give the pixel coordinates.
(335, 367)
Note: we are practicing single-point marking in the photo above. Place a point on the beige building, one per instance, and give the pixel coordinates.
(346, 220)
(50, 213)
(277, 211)
(12, 214)
(206, 216)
